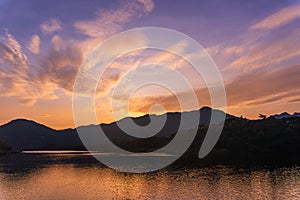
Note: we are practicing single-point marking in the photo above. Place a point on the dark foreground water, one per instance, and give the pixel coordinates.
(79, 176)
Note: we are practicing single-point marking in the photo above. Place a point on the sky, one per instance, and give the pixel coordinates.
(255, 45)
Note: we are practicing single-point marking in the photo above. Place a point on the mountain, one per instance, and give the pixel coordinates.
(282, 115)
(285, 115)
(171, 124)
(22, 134)
(242, 141)
(296, 114)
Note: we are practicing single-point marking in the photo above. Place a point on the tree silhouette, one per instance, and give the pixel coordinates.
(261, 116)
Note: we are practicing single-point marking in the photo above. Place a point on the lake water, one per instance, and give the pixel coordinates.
(69, 175)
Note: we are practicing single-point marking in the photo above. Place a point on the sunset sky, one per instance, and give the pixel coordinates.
(255, 45)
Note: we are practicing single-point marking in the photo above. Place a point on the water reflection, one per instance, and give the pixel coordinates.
(59, 177)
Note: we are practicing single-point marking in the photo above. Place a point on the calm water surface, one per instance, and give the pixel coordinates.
(73, 176)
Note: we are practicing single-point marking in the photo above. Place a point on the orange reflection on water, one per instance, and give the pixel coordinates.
(68, 181)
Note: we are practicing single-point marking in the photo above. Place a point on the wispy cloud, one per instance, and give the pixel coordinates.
(56, 68)
(107, 22)
(279, 18)
(12, 57)
(264, 86)
(148, 5)
(253, 50)
(275, 98)
(34, 44)
(19, 78)
(51, 26)
(295, 100)
(14, 67)
(266, 54)
(61, 64)
(170, 101)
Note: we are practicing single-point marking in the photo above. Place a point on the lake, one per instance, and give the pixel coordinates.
(77, 175)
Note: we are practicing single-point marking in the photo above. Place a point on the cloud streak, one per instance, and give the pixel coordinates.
(28, 83)
(280, 18)
(295, 100)
(263, 88)
(275, 98)
(14, 65)
(34, 44)
(269, 53)
(262, 84)
(107, 22)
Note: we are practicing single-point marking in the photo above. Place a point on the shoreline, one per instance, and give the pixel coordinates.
(8, 152)
(216, 158)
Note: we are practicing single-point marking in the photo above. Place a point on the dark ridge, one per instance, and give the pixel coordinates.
(25, 122)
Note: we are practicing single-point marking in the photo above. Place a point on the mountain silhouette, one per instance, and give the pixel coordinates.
(285, 115)
(22, 134)
(243, 141)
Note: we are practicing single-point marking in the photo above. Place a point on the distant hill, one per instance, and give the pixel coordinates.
(285, 115)
(272, 140)
(22, 134)
(296, 114)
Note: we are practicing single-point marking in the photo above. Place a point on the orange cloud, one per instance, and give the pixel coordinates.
(262, 84)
